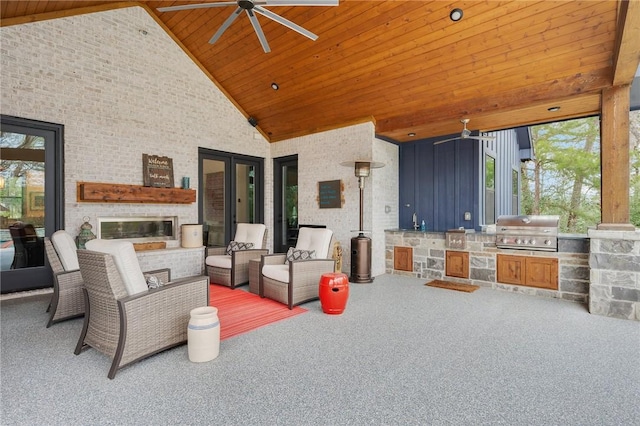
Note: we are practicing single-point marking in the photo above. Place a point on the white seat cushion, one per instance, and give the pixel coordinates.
(317, 239)
(126, 261)
(219, 261)
(276, 272)
(250, 233)
(66, 249)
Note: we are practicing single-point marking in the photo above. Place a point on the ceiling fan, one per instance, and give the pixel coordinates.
(466, 134)
(251, 7)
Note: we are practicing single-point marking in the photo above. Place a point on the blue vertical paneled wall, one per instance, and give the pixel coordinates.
(440, 183)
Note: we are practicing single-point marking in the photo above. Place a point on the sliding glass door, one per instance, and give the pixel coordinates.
(231, 192)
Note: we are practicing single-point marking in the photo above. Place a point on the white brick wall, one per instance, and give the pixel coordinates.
(319, 158)
(120, 94)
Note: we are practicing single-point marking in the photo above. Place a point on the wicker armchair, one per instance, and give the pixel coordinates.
(67, 300)
(297, 281)
(128, 328)
(233, 270)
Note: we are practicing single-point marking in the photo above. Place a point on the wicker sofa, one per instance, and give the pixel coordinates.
(128, 327)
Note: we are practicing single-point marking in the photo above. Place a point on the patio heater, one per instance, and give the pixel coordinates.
(361, 245)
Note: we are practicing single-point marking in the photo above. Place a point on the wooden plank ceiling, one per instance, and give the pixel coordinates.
(404, 64)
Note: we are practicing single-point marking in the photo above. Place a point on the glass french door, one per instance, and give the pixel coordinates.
(31, 183)
(231, 192)
(285, 204)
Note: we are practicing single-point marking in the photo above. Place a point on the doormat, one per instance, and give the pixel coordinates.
(467, 288)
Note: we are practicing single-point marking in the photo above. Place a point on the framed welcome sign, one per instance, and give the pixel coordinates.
(157, 171)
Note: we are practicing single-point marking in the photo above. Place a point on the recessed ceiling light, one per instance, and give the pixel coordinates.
(411, 134)
(456, 14)
(275, 86)
(553, 109)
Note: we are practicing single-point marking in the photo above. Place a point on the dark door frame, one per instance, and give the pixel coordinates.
(280, 244)
(230, 161)
(40, 277)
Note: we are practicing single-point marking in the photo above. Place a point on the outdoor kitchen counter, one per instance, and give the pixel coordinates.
(429, 249)
(567, 243)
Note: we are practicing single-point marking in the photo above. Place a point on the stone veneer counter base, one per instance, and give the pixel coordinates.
(614, 260)
(429, 250)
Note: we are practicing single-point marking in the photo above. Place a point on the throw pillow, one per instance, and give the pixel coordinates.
(237, 245)
(297, 254)
(154, 282)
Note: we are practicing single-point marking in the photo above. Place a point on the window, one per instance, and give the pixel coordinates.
(514, 192)
(489, 190)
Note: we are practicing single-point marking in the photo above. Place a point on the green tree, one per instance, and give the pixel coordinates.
(564, 178)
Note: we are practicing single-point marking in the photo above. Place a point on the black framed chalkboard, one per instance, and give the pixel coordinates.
(330, 194)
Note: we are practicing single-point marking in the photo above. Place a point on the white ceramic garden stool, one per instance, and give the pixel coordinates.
(203, 334)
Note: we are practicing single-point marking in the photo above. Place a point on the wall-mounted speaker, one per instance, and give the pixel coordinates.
(252, 121)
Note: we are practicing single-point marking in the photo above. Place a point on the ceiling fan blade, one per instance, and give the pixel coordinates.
(226, 24)
(258, 30)
(299, 3)
(279, 19)
(196, 6)
(477, 138)
(446, 140)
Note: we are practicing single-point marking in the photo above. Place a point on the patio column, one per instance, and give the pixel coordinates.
(614, 143)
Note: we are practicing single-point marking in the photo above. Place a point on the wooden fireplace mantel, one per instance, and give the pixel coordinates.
(93, 192)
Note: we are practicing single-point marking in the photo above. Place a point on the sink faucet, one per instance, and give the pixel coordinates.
(415, 222)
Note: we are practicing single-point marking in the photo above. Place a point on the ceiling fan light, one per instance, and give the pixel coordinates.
(456, 14)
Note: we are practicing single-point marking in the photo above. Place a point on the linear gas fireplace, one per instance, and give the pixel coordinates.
(143, 228)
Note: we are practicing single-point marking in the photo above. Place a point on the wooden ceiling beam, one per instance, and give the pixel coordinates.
(567, 87)
(627, 47)
(535, 113)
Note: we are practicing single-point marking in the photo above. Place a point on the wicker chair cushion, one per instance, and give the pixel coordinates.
(276, 272)
(250, 233)
(124, 256)
(66, 249)
(237, 245)
(318, 239)
(220, 261)
(297, 254)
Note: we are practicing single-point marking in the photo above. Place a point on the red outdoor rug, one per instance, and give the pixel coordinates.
(240, 311)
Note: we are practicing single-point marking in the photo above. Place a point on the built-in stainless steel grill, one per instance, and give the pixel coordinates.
(527, 232)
